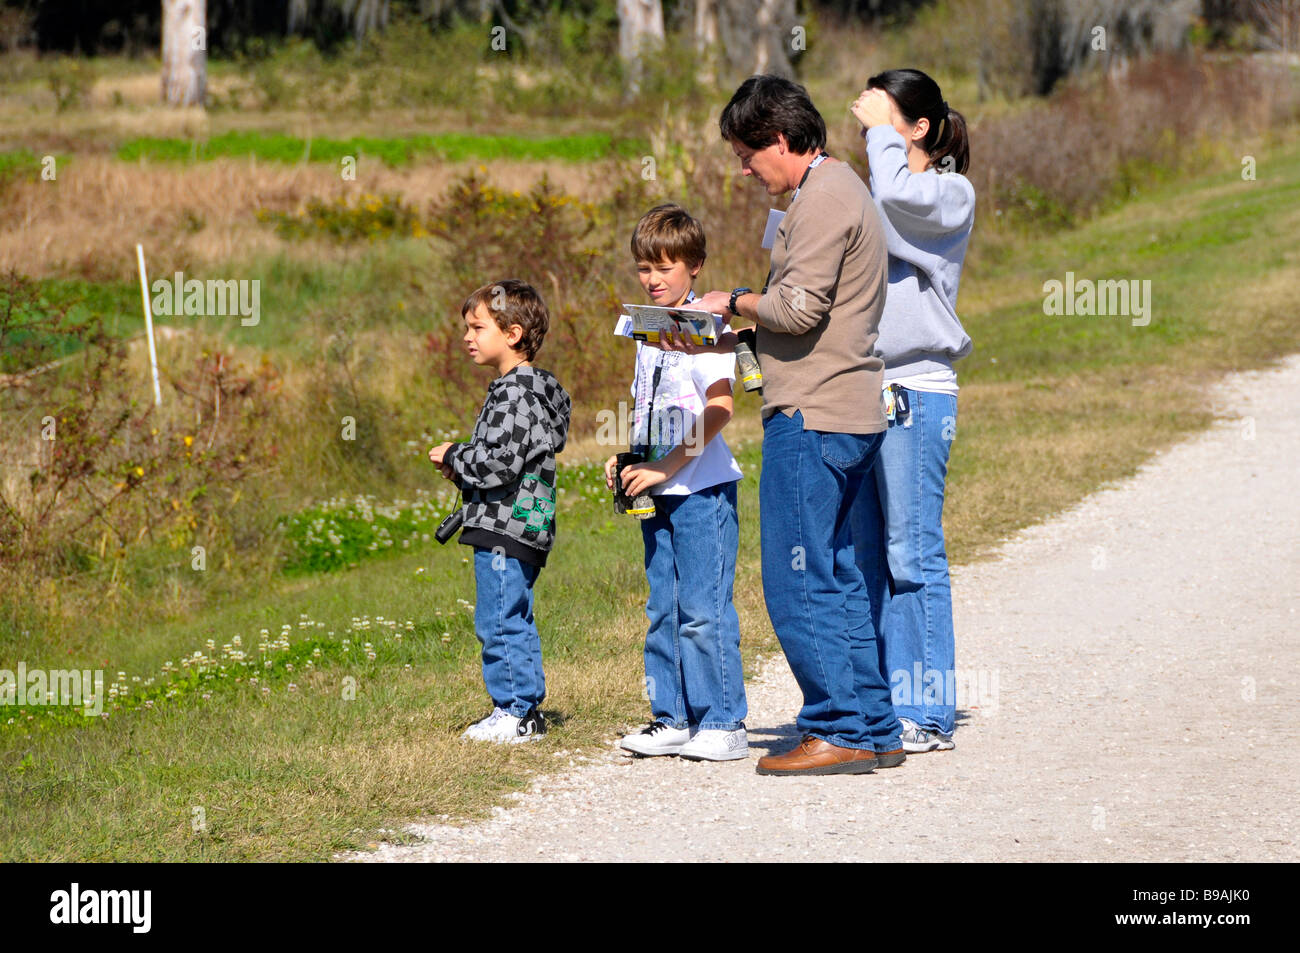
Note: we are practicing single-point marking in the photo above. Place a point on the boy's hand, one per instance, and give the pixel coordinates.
(438, 452)
(641, 476)
(672, 341)
(609, 471)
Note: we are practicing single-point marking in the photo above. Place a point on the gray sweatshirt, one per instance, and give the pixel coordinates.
(927, 218)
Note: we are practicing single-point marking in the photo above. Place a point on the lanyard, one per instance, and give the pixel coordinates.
(822, 157)
(644, 449)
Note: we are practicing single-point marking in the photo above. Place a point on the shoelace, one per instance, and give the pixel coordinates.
(655, 728)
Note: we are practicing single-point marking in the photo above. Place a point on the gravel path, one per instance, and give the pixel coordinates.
(1138, 658)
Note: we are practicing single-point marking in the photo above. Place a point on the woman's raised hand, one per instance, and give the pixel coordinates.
(872, 108)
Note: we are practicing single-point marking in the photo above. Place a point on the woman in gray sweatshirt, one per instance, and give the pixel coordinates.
(918, 151)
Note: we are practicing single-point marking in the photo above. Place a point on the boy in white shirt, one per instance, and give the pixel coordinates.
(681, 402)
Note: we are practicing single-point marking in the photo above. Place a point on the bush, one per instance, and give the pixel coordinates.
(1095, 141)
(91, 463)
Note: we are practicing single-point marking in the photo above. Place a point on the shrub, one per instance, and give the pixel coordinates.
(88, 463)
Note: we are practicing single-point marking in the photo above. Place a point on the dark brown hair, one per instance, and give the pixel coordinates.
(918, 95)
(511, 301)
(668, 233)
(766, 105)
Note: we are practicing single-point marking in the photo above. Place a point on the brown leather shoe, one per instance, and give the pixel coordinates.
(815, 756)
(890, 759)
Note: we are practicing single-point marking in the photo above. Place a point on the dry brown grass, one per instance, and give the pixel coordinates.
(86, 222)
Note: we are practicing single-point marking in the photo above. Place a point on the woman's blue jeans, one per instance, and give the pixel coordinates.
(692, 649)
(815, 594)
(898, 537)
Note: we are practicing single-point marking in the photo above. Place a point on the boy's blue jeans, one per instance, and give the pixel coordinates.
(692, 649)
(503, 622)
(815, 594)
(898, 535)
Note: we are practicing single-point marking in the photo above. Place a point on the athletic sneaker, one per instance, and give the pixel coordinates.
(715, 744)
(478, 730)
(917, 739)
(504, 728)
(656, 738)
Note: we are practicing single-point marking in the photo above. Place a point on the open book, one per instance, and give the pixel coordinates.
(643, 322)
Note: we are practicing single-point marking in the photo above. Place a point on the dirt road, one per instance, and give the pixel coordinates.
(1135, 666)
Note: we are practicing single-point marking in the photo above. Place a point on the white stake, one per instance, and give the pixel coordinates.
(148, 325)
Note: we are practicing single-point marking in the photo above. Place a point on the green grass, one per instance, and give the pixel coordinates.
(446, 147)
(1069, 404)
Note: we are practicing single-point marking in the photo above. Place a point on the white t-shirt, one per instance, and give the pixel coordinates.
(942, 381)
(678, 382)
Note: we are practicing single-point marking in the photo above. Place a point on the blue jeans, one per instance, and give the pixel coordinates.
(503, 622)
(692, 649)
(815, 595)
(898, 537)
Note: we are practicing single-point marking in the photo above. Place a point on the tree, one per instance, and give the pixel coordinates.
(1278, 22)
(757, 35)
(640, 31)
(184, 52)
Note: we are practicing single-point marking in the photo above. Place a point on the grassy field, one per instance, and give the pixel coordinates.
(311, 745)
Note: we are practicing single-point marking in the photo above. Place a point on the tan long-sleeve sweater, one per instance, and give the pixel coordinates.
(818, 320)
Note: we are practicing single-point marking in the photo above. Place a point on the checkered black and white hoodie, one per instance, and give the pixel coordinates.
(506, 472)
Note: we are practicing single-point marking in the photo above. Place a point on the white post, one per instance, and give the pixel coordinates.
(148, 326)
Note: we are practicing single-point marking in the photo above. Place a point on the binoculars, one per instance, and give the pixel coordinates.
(641, 506)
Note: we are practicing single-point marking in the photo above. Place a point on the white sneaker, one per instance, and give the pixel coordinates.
(918, 740)
(715, 744)
(477, 731)
(504, 728)
(657, 738)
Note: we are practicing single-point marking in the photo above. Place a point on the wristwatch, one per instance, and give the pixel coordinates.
(736, 293)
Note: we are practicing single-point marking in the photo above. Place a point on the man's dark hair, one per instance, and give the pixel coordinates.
(766, 105)
(511, 301)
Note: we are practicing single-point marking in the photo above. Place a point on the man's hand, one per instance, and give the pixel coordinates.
(714, 302)
(609, 471)
(641, 476)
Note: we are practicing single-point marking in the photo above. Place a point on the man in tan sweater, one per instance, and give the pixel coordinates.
(822, 424)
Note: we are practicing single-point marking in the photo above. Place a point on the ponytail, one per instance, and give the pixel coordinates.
(951, 149)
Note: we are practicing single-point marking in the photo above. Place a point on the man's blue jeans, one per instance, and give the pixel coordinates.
(503, 622)
(692, 649)
(898, 536)
(815, 594)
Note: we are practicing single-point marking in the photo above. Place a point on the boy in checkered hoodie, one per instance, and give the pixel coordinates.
(506, 473)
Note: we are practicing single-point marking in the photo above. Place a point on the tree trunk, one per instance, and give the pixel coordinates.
(757, 34)
(706, 40)
(184, 52)
(640, 31)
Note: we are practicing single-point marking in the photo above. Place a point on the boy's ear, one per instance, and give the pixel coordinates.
(514, 334)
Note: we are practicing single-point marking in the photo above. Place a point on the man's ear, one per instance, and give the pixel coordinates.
(783, 143)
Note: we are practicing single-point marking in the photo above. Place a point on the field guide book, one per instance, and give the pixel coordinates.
(643, 322)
